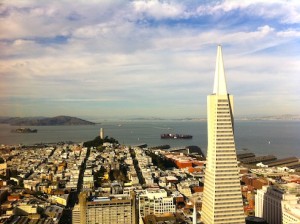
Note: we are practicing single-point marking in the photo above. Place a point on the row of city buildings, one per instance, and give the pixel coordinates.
(147, 194)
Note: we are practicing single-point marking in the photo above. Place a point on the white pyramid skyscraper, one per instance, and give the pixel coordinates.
(222, 197)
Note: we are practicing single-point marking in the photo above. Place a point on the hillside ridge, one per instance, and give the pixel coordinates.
(44, 121)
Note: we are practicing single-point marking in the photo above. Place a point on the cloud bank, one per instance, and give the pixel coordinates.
(147, 58)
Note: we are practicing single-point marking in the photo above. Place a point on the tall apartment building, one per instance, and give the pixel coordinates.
(222, 197)
(276, 206)
(155, 201)
(105, 210)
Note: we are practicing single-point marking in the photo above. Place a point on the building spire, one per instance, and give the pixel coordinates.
(220, 81)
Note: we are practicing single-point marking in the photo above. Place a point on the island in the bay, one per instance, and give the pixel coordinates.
(24, 130)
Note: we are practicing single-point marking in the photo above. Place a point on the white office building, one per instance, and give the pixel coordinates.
(155, 201)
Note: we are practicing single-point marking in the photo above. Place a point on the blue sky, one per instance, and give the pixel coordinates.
(104, 58)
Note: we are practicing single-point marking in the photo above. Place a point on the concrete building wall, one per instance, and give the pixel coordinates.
(259, 202)
(290, 212)
(274, 205)
(108, 210)
(155, 202)
(76, 214)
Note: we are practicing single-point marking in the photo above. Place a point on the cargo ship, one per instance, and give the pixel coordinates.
(175, 136)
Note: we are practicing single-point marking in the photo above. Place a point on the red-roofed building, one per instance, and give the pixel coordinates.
(13, 197)
(183, 163)
(197, 189)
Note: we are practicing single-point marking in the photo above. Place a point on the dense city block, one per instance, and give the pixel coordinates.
(113, 183)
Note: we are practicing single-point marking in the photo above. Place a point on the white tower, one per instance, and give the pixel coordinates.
(194, 214)
(222, 198)
(101, 133)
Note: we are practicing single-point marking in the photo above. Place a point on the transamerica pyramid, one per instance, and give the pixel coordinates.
(222, 197)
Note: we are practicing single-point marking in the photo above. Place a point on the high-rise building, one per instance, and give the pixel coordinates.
(222, 197)
(118, 208)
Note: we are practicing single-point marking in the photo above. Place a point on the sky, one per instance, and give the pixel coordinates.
(112, 58)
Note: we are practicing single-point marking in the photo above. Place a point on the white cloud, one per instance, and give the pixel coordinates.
(87, 99)
(159, 9)
(281, 10)
(289, 33)
(49, 19)
(114, 52)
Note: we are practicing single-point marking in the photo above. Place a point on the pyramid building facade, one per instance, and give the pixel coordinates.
(222, 197)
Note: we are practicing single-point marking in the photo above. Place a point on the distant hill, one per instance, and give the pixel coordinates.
(44, 121)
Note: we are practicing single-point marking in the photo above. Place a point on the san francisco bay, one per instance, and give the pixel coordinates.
(281, 138)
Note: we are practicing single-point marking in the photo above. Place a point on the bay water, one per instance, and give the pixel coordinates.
(280, 138)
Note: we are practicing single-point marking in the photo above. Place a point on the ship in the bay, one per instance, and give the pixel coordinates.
(175, 136)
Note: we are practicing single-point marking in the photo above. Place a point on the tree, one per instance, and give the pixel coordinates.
(97, 141)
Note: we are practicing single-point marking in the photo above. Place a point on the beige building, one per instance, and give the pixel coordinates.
(290, 212)
(276, 206)
(115, 209)
(3, 166)
(155, 201)
(76, 215)
(222, 197)
(60, 199)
